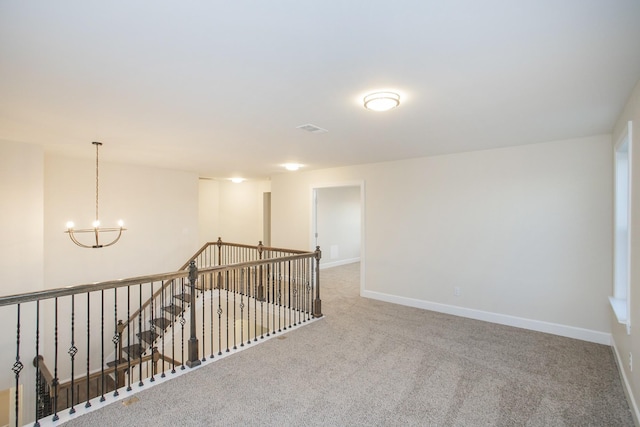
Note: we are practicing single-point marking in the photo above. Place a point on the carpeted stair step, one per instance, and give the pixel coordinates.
(161, 323)
(148, 336)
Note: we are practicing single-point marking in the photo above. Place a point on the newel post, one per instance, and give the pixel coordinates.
(193, 359)
(260, 293)
(219, 245)
(317, 303)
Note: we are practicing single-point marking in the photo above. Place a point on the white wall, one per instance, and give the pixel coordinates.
(630, 344)
(21, 192)
(208, 212)
(21, 253)
(240, 211)
(524, 232)
(338, 224)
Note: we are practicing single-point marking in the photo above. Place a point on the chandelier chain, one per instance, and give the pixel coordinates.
(97, 144)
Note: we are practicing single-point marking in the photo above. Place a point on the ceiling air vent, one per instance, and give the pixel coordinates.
(312, 128)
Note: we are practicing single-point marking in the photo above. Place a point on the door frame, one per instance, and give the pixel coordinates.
(314, 220)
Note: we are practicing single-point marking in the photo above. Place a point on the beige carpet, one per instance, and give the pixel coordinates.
(369, 363)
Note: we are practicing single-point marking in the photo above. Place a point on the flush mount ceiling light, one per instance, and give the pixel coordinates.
(381, 101)
(237, 180)
(292, 166)
(96, 230)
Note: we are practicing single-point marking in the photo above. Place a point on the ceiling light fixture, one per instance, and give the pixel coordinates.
(292, 166)
(237, 180)
(381, 101)
(96, 230)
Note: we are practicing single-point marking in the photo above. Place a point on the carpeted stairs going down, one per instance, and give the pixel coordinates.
(369, 363)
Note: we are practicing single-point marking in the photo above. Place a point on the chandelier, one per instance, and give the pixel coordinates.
(96, 230)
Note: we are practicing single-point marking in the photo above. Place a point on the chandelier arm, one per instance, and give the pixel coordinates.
(116, 239)
(96, 232)
(74, 240)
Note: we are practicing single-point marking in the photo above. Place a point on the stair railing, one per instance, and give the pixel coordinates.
(209, 255)
(211, 310)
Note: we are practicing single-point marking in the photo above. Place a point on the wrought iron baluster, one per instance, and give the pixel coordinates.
(274, 285)
(128, 325)
(235, 291)
(280, 278)
(182, 323)
(202, 294)
(301, 286)
(300, 292)
(307, 297)
(242, 292)
(73, 350)
(39, 400)
(248, 291)
(294, 292)
(268, 294)
(287, 307)
(262, 298)
(55, 361)
(115, 339)
(219, 313)
(295, 280)
(173, 330)
(88, 404)
(140, 350)
(102, 398)
(292, 295)
(227, 300)
(152, 336)
(153, 315)
(255, 306)
(211, 313)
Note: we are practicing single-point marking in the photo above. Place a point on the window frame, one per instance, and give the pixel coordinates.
(621, 299)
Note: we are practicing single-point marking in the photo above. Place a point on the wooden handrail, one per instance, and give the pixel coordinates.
(89, 287)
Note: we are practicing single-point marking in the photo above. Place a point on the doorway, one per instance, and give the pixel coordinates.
(337, 224)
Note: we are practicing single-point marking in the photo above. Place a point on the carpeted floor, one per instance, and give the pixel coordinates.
(369, 363)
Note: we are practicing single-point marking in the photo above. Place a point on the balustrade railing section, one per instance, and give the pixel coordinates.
(86, 343)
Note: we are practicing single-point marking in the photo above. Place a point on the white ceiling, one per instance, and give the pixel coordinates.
(219, 87)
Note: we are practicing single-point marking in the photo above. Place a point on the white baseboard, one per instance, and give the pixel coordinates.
(502, 319)
(337, 263)
(625, 384)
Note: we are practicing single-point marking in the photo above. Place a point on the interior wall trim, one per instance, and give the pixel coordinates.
(625, 384)
(501, 319)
